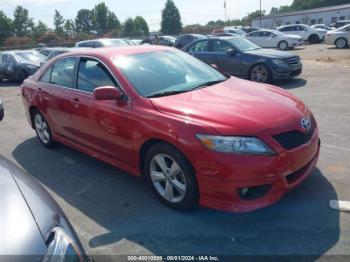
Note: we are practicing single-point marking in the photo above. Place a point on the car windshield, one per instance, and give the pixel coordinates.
(344, 28)
(166, 72)
(278, 33)
(243, 44)
(237, 31)
(29, 57)
(114, 42)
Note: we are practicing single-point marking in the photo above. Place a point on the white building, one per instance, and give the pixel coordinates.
(323, 15)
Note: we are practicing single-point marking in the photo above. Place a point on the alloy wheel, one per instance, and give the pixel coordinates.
(283, 45)
(259, 74)
(168, 178)
(42, 129)
(341, 43)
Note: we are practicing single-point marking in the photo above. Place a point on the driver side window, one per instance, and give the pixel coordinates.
(221, 46)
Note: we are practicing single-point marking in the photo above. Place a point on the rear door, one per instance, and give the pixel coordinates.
(101, 126)
(229, 63)
(201, 51)
(56, 89)
(257, 38)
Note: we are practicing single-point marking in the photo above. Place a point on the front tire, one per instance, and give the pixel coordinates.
(260, 74)
(171, 177)
(341, 43)
(283, 45)
(42, 129)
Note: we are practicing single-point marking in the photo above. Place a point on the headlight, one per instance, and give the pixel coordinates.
(62, 248)
(235, 145)
(280, 62)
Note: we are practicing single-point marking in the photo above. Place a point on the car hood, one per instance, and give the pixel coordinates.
(235, 107)
(270, 53)
(20, 234)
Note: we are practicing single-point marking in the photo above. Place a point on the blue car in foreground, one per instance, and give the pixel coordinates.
(240, 57)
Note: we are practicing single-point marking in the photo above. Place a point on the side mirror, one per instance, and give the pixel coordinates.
(231, 52)
(2, 111)
(108, 93)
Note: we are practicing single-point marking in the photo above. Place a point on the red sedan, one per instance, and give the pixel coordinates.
(196, 135)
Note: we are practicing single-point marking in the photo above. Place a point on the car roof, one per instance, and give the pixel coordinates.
(120, 50)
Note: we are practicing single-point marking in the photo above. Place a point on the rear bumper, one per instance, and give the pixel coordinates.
(266, 180)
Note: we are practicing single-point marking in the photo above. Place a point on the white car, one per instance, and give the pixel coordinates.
(323, 26)
(274, 39)
(339, 37)
(306, 32)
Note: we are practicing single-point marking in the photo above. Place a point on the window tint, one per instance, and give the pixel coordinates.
(86, 44)
(46, 76)
(63, 72)
(92, 74)
(10, 58)
(221, 46)
(256, 34)
(98, 44)
(288, 28)
(202, 46)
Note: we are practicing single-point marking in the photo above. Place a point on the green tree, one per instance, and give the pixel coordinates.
(141, 26)
(101, 18)
(251, 16)
(171, 19)
(40, 29)
(113, 22)
(129, 28)
(274, 10)
(22, 24)
(58, 22)
(69, 28)
(5, 27)
(84, 21)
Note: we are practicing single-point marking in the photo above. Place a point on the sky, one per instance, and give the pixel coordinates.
(192, 11)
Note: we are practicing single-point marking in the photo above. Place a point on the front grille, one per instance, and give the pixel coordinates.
(294, 60)
(295, 138)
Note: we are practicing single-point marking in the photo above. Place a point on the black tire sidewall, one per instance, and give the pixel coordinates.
(191, 198)
(313, 39)
(51, 141)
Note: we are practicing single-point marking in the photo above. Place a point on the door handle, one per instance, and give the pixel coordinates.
(76, 102)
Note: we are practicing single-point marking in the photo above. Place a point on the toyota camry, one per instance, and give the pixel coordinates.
(196, 135)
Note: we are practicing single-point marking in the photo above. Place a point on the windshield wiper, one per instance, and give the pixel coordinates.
(167, 93)
(206, 84)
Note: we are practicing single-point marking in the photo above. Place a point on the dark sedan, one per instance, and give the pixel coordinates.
(184, 40)
(32, 226)
(18, 65)
(239, 57)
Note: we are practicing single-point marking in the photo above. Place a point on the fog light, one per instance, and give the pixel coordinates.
(253, 193)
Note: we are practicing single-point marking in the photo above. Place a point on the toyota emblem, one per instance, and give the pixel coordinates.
(306, 123)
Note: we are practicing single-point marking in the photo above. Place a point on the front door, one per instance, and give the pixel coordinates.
(101, 126)
(227, 61)
(200, 50)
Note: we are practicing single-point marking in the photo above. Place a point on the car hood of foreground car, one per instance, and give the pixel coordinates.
(19, 233)
(270, 53)
(235, 107)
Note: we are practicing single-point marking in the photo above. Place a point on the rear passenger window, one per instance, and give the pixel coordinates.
(202, 46)
(93, 74)
(63, 72)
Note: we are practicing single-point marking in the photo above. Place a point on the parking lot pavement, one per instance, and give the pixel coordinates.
(115, 213)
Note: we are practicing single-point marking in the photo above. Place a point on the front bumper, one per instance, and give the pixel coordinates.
(271, 177)
(279, 73)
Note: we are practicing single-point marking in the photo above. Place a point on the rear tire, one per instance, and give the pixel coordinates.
(314, 39)
(283, 45)
(42, 129)
(171, 177)
(341, 43)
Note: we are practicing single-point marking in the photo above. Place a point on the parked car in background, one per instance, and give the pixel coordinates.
(32, 224)
(323, 26)
(102, 42)
(184, 40)
(234, 30)
(17, 65)
(47, 50)
(306, 32)
(249, 29)
(159, 40)
(136, 41)
(340, 23)
(202, 137)
(339, 37)
(240, 57)
(274, 39)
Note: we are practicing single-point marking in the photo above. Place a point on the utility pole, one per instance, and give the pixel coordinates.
(225, 11)
(260, 14)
